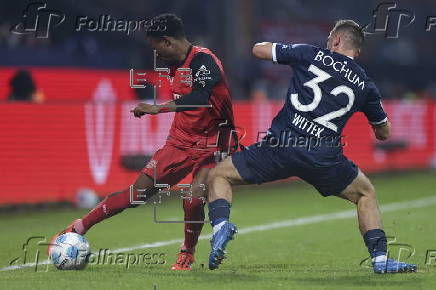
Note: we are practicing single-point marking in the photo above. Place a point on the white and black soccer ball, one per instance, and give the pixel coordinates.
(70, 251)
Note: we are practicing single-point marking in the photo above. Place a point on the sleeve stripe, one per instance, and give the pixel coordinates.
(273, 52)
(380, 122)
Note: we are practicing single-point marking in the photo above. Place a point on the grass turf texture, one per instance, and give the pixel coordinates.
(322, 255)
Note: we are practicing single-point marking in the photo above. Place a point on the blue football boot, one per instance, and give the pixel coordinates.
(218, 244)
(393, 266)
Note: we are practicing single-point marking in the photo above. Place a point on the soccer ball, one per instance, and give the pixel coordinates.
(70, 251)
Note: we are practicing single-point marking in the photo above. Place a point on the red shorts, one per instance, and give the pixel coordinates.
(172, 163)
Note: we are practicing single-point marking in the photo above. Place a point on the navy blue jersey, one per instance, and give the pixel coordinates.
(326, 89)
(304, 140)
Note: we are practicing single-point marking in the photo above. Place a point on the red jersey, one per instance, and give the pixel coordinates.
(203, 127)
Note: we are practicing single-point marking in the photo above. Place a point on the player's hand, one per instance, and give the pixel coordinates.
(141, 109)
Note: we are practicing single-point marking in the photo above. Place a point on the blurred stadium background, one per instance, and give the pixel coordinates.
(64, 100)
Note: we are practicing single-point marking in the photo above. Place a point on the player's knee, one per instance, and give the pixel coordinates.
(359, 193)
(367, 191)
(366, 187)
(361, 188)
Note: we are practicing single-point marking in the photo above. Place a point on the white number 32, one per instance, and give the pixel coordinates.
(324, 120)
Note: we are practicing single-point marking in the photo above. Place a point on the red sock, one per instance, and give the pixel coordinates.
(194, 211)
(110, 206)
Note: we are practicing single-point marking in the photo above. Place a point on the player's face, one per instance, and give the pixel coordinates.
(164, 49)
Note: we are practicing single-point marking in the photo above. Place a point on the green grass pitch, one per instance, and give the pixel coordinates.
(310, 246)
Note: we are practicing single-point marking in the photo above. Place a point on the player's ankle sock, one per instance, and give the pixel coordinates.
(375, 241)
(219, 212)
(110, 206)
(194, 211)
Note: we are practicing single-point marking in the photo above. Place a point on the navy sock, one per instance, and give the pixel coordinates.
(375, 241)
(219, 211)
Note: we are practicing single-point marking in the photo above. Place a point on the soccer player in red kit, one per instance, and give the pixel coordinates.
(202, 130)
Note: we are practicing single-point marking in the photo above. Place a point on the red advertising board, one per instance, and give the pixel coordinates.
(48, 152)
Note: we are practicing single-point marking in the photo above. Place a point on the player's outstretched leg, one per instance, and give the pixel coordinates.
(194, 220)
(220, 181)
(362, 193)
(111, 205)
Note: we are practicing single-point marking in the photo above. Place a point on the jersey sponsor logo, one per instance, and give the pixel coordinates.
(202, 75)
(341, 67)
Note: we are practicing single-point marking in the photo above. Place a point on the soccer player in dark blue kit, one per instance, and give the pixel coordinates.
(327, 88)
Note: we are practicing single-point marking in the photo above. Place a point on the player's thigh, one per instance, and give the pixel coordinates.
(227, 170)
(169, 165)
(199, 182)
(361, 186)
(204, 162)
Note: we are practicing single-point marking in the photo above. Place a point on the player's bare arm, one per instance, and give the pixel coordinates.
(143, 109)
(200, 98)
(197, 97)
(263, 50)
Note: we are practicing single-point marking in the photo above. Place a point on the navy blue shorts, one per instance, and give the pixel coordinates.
(262, 162)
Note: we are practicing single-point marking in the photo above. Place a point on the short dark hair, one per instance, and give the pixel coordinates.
(172, 24)
(354, 35)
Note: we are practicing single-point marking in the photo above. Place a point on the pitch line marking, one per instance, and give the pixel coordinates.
(390, 207)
